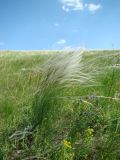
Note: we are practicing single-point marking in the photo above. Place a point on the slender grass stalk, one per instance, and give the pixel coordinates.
(113, 76)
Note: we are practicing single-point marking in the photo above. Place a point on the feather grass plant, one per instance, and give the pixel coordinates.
(61, 71)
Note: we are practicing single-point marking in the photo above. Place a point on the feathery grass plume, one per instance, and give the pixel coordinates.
(59, 72)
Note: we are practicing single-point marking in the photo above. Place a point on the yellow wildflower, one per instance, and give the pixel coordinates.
(90, 131)
(67, 144)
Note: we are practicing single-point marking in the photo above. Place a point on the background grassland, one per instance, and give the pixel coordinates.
(85, 124)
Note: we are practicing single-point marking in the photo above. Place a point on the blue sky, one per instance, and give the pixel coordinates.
(59, 24)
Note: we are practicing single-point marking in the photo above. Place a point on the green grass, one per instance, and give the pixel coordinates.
(57, 106)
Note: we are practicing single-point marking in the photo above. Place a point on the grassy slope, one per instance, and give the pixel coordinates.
(84, 131)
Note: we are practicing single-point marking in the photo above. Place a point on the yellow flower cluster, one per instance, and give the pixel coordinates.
(90, 131)
(67, 144)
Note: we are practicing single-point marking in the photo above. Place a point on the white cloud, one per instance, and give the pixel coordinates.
(77, 5)
(61, 41)
(68, 5)
(93, 7)
(65, 9)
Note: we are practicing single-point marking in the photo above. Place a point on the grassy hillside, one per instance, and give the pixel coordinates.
(52, 109)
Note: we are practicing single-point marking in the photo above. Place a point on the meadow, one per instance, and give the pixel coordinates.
(60, 105)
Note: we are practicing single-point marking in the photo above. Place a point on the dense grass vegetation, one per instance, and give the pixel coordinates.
(60, 106)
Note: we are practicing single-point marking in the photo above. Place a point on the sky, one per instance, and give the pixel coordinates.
(59, 24)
